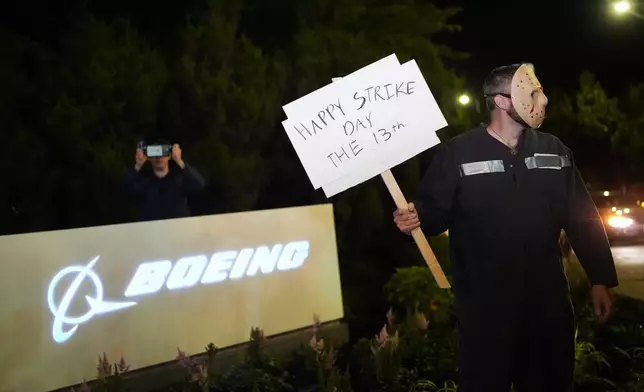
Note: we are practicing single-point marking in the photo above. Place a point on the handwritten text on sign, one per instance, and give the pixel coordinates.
(352, 127)
(422, 118)
(349, 123)
(331, 121)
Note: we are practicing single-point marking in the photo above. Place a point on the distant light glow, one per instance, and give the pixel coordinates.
(464, 99)
(620, 222)
(606, 193)
(627, 210)
(622, 7)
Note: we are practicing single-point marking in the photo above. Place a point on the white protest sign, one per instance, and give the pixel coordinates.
(341, 124)
(363, 125)
(380, 116)
(420, 118)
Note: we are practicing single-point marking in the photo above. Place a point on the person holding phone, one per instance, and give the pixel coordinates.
(162, 192)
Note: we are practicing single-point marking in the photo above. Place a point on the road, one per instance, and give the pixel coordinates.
(629, 260)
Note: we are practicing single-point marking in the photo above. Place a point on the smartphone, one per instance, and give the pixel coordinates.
(158, 150)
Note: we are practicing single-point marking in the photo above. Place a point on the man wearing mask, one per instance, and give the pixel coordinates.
(505, 191)
(162, 194)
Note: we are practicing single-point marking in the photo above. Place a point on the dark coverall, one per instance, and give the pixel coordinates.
(166, 197)
(504, 213)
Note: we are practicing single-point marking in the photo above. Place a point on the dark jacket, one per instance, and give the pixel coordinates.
(163, 198)
(505, 213)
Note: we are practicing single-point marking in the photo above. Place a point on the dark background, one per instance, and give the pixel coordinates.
(562, 39)
(73, 108)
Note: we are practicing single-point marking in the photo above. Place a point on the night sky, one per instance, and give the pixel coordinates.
(562, 38)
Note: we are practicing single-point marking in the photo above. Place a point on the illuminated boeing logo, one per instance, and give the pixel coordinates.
(96, 304)
(150, 277)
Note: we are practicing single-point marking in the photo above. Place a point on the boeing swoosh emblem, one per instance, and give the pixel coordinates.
(96, 304)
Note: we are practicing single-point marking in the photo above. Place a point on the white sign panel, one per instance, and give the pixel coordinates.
(364, 124)
(72, 294)
(421, 112)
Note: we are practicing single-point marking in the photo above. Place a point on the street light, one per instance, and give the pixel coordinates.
(622, 7)
(465, 100)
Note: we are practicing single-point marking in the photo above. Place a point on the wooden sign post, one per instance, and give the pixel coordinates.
(417, 234)
(363, 125)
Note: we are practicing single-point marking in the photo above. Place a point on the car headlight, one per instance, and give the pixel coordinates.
(619, 222)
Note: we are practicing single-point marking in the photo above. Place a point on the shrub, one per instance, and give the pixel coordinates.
(415, 350)
(108, 376)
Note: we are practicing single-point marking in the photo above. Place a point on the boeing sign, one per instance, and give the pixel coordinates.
(151, 277)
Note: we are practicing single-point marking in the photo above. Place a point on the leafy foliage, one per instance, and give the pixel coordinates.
(414, 290)
(74, 108)
(595, 124)
(223, 100)
(414, 351)
(628, 137)
(596, 112)
(90, 100)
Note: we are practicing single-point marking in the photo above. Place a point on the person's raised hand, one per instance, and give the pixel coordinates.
(176, 155)
(407, 218)
(140, 159)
